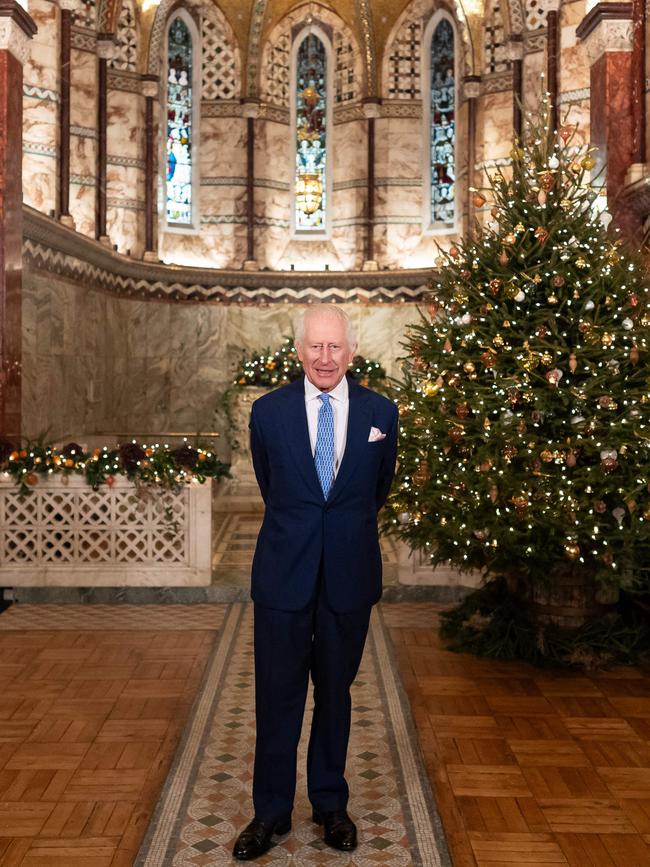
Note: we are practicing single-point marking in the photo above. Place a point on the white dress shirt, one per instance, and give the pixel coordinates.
(339, 403)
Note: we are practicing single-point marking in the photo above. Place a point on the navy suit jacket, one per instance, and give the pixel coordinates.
(300, 527)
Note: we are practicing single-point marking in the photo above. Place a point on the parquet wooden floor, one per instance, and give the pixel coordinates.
(529, 767)
(89, 721)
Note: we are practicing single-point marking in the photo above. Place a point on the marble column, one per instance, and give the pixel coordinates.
(606, 32)
(67, 7)
(105, 51)
(16, 29)
(471, 92)
(371, 110)
(553, 58)
(251, 111)
(516, 53)
(150, 90)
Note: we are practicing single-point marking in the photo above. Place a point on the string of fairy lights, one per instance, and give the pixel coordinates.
(524, 397)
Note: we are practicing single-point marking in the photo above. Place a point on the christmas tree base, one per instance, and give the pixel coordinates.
(497, 623)
(571, 600)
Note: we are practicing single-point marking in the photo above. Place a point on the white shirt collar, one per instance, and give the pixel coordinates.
(340, 392)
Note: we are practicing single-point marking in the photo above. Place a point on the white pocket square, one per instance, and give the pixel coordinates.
(376, 435)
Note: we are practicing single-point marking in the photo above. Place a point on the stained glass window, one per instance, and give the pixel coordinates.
(311, 132)
(443, 125)
(179, 124)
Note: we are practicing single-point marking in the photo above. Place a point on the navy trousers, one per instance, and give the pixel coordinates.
(289, 645)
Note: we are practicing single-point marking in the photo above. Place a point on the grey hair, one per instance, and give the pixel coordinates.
(316, 310)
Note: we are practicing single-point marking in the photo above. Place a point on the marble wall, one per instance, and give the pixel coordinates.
(121, 366)
(40, 109)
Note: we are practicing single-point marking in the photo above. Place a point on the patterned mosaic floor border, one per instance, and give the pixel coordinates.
(206, 798)
(121, 617)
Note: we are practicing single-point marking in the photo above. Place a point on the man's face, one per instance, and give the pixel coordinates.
(324, 351)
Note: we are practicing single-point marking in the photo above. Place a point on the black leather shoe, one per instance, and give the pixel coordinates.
(340, 830)
(255, 839)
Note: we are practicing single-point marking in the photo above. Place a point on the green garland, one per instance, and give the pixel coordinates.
(153, 465)
(272, 368)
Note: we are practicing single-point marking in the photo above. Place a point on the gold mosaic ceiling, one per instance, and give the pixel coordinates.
(383, 15)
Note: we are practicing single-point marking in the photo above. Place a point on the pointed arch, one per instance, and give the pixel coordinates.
(311, 121)
(182, 89)
(440, 65)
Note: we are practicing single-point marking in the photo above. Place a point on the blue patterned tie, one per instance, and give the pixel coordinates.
(324, 454)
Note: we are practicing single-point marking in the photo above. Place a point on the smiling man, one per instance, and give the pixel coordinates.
(324, 451)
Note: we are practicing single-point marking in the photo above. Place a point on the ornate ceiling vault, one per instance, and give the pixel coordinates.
(252, 21)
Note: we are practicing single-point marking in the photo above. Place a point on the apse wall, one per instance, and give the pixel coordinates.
(401, 152)
(95, 363)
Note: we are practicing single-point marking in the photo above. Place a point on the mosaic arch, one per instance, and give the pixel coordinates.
(181, 98)
(348, 67)
(440, 61)
(311, 98)
(401, 63)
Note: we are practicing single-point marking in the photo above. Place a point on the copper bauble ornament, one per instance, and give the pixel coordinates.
(634, 355)
(453, 379)
(509, 452)
(447, 345)
(633, 299)
(421, 475)
(558, 281)
(541, 197)
(520, 501)
(503, 258)
(510, 239)
(462, 410)
(494, 493)
(478, 200)
(403, 409)
(495, 286)
(601, 507)
(584, 327)
(547, 181)
(565, 132)
(546, 456)
(32, 479)
(573, 362)
(454, 252)
(489, 358)
(608, 465)
(541, 233)
(571, 459)
(456, 433)
(494, 211)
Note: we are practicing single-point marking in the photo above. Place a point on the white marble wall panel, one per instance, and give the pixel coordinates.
(494, 121)
(40, 134)
(125, 113)
(125, 183)
(223, 147)
(349, 143)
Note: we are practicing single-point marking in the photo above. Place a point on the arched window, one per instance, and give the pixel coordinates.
(181, 207)
(311, 126)
(440, 117)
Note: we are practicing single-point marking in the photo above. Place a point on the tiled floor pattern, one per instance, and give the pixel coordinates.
(102, 617)
(390, 795)
(93, 700)
(530, 767)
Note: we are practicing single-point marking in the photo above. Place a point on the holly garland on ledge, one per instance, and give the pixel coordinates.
(525, 402)
(153, 465)
(272, 368)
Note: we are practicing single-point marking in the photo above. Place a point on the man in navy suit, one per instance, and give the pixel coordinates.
(324, 451)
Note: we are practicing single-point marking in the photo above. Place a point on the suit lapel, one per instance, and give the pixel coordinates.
(297, 433)
(359, 419)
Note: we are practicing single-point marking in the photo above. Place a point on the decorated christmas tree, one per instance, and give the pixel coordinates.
(525, 395)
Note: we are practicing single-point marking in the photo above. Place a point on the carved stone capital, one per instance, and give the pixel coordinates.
(516, 47)
(606, 28)
(372, 107)
(250, 108)
(106, 47)
(471, 87)
(150, 86)
(68, 5)
(16, 29)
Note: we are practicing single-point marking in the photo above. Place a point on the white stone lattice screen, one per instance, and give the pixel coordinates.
(70, 535)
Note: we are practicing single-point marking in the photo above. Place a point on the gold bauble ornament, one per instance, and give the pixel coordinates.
(498, 340)
(421, 475)
(565, 204)
(588, 163)
(607, 339)
(510, 239)
(403, 410)
(546, 456)
(432, 388)
(572, 551)
(546, 358)
(581, 262)
(552, 299)
(462, 410)
(468, 367)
